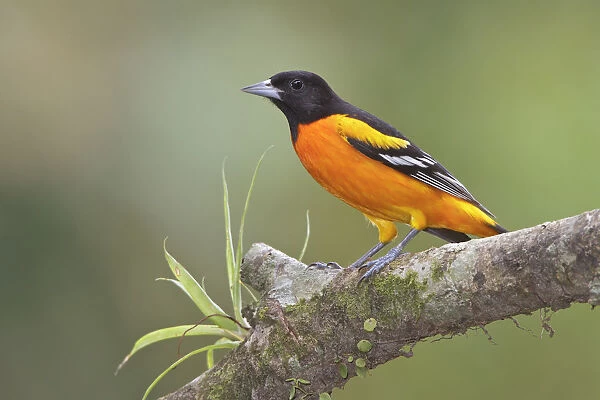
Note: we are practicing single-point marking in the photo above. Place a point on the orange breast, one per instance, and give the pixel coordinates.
(378, 190)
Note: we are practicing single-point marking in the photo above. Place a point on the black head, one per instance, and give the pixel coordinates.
(302, 96)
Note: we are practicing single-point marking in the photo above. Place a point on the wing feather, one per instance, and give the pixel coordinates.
(409, 160)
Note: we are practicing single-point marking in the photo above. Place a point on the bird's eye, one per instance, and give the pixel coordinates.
(296, 84)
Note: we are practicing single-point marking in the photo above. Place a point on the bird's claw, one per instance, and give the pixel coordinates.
(323, 265)
(375, 266)
(367, 265)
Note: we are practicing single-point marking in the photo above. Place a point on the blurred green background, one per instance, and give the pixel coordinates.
(115, 118)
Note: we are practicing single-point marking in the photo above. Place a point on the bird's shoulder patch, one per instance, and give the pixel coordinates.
(350, 128)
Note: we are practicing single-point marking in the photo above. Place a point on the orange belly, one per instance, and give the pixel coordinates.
(378, 190)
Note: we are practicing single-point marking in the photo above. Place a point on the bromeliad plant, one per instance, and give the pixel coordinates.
(230, 329)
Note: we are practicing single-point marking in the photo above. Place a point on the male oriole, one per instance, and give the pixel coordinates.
(371, 166)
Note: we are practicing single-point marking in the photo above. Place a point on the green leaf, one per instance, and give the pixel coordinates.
(324, 396)
(303, 381)
(306, 237)
(360, 363)
(292, 393)
(343, 370)
(175, 332)
(182, 359)
(230, 260)
(234, 281)
(210, 360)
(198, 295)
(249, 292)
(364, 346)
(370, 324)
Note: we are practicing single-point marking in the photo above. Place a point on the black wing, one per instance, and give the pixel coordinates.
(414, 162)
(408, 159)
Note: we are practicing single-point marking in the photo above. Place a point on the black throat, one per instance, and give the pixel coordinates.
(290, 116)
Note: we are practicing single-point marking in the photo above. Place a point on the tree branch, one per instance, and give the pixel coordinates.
(309, 322)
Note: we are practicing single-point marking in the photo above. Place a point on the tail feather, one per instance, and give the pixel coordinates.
(498, 228)
(454, 236)
(448, 234)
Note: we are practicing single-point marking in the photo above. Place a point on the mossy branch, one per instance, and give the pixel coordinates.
(308, 323)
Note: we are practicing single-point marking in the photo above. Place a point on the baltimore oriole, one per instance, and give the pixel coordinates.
(371, 166)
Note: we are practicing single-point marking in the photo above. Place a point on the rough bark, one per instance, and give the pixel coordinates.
(309, 322)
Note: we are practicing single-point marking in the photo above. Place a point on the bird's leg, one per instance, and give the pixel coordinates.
(359, 263)
(376, 265)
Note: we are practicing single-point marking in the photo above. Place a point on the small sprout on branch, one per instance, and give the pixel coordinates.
(370, 324)
(364, 346)
(343, 370)
(296, 382)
